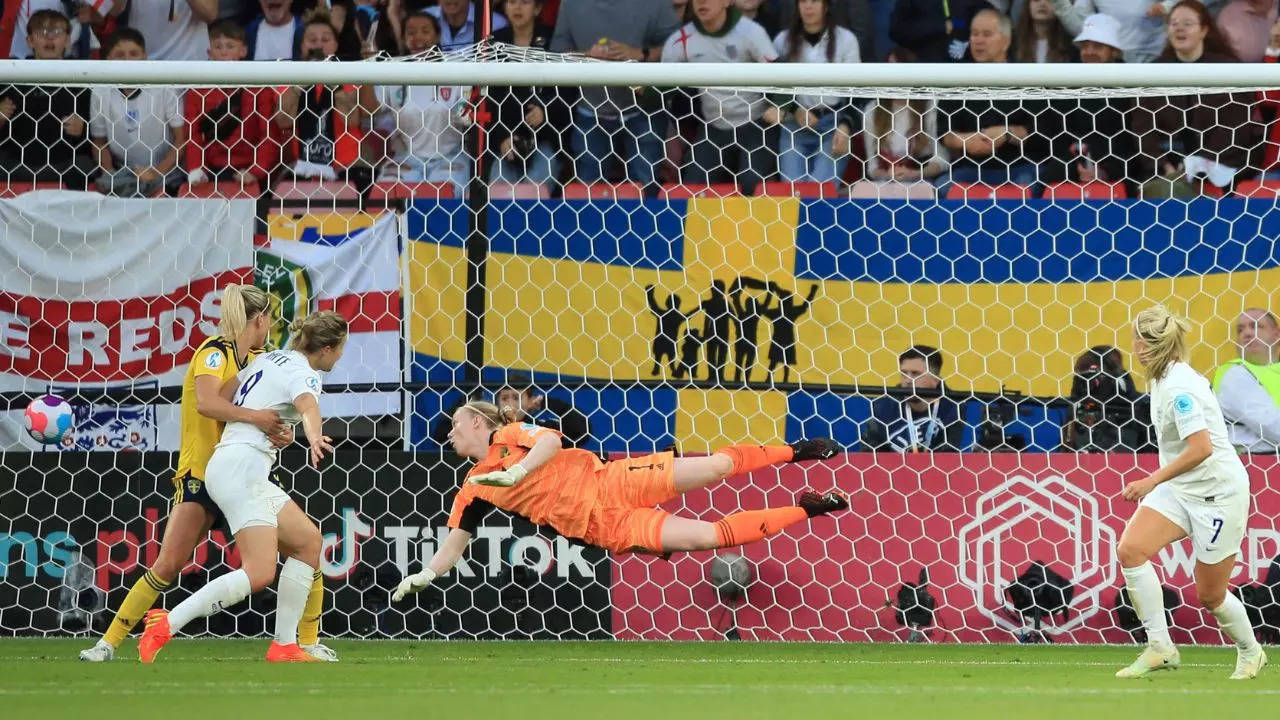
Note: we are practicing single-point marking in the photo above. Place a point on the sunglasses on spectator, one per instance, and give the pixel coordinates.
(49, 31)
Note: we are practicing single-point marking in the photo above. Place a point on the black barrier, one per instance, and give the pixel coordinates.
(77, 529)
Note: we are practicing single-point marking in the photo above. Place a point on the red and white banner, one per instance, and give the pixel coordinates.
(359, 277)
(108, 292)
(976, 521)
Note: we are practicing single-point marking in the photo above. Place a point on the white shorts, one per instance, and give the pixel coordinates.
(1216, 528)
(238, 479)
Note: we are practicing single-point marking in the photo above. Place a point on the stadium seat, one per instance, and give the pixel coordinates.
(978, 191)
(799, 189)
(18, 188)
(871, 190)
(388, 191)
(620, 191)
(314, 190)
(518, 191)
(1089, 191)
(224, 190)
(677, 191)
(1259, 188)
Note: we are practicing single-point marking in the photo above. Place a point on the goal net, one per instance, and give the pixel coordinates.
(939, 277)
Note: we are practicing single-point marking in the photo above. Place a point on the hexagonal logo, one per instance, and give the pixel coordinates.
(1023, 520)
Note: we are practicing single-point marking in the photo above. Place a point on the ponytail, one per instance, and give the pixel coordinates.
(240, 305)
(492, 415)
(317, 331)
(1166, 337)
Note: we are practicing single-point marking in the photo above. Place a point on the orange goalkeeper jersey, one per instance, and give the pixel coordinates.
(561, 493)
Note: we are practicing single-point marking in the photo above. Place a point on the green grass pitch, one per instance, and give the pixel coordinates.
(40, 679)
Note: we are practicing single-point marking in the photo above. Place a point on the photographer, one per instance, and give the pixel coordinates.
(1105, 414)
(927, 421)
(526, 136)
(543, 410)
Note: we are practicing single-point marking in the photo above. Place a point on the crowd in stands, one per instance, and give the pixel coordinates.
(148, 141)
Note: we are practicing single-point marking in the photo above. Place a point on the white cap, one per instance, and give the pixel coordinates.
(1100, 28)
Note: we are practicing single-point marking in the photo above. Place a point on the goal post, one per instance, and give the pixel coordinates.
(935, 265)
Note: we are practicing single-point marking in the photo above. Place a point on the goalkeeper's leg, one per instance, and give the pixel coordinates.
(685, 535)
(694, 473)
(188, 524)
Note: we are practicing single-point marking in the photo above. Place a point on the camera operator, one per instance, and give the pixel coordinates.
(1106, 410)
(925, 420)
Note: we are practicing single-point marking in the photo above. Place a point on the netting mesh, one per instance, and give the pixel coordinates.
(940, 280)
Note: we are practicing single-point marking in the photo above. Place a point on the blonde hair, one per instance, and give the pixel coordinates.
(317, 331)
(240, 304)
(1166, 337)
(492, 415)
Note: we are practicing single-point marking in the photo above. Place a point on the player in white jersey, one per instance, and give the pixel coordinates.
(1201, 491)
(265, 522)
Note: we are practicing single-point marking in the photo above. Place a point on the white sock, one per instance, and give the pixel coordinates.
(221, 593)
(1234, 621)
(1147, 599)
(291, 599)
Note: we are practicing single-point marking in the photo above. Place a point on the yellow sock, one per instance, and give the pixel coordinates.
(309, 628)
(141, 597)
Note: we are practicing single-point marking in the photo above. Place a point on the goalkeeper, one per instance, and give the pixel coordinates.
(522, 469)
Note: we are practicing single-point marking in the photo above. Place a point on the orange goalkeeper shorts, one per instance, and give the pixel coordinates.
(624, 518)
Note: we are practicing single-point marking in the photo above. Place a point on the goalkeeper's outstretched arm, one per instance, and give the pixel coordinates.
(442, 562)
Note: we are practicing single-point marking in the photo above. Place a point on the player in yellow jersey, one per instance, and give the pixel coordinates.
(243, 329)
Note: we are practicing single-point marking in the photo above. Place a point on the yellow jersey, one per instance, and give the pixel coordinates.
(216, 356)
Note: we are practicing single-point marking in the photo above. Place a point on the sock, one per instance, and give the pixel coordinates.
(753, 457)
(1148, 602)
(141, 597)
(296, 580)
(222, 592)
(744, 527)
(309, 628)
(1234, 621)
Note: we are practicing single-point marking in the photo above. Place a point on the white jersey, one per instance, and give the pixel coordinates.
(1182, 403)
(271, 382)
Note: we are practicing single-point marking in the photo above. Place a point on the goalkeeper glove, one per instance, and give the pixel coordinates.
(413, 583)
(501, 478)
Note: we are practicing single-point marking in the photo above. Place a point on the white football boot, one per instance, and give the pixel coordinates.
(100, 652)
(1151, 660)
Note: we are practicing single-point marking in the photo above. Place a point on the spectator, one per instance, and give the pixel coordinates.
(761, 13)
(88, 25)
(733, 146)
(1098, 145)
(900, 137)
(545, 410)
(325, 123)
(1107, 413)
(173, 29)
(527, 134)
(616, 30)
(1270, 100)
(228, 129)
(137, 132)
(930, 421)
(993, 142)
(1040, 37)
(814, 143)
(1248, 388)
(1142, 28)
(935, 30)
(1207, 136)
(424, 123)
(854, 15)
(378, 26)
(457, 20)
(1246, 26)
(276, 34)
(42, 129)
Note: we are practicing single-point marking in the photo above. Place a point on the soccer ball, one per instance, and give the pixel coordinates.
(48, 419)
(730, 575)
